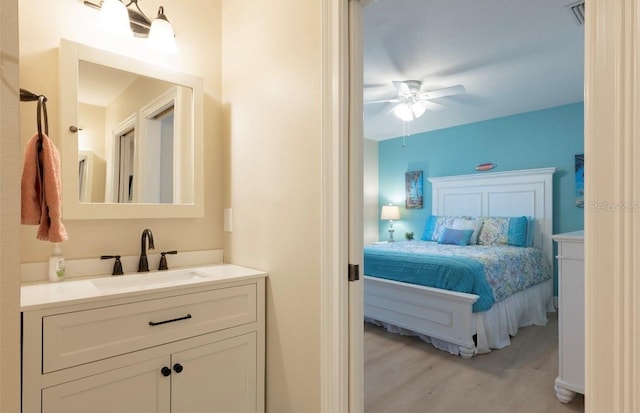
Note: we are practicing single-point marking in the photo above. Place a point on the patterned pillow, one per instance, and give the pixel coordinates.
(503, 230)
(436, 225)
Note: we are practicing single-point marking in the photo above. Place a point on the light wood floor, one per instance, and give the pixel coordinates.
(406, 375)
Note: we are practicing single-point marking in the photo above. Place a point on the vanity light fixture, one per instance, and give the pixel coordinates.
(121, 19)
(390, 212)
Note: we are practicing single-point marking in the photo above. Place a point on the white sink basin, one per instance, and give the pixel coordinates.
(146, 280)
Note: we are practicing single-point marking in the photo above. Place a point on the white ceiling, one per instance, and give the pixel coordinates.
(99, 85)
(512, 56)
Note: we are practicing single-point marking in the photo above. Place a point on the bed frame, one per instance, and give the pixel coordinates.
(447, 315)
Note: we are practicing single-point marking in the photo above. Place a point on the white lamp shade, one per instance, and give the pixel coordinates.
(161, 36)
(114, 18)
(403, 111)
(390, 212)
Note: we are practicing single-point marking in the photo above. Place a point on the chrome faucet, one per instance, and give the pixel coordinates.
(143, 266)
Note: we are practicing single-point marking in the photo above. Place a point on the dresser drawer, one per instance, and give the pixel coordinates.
(71, 339)
(571, 250)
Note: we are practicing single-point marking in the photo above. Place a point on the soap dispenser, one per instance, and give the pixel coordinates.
(56, 264)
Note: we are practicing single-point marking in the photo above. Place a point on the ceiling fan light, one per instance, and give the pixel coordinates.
(418, 109)
(161, 35)
(403, 111)
(114, 18)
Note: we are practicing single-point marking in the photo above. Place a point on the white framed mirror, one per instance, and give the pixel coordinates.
(132, 137)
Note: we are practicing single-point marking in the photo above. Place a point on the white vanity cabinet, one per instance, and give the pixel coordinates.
(571, 336)
(193, 348)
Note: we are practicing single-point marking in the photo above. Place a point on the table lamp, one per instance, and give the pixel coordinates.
(390, 212)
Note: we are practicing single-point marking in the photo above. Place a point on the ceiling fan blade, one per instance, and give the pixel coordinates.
(446, 91)
(433, 106)
(383, 101)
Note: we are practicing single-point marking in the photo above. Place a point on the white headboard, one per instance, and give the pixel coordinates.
(506, 194)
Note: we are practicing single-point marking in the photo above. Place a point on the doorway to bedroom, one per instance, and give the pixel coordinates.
(450, 87)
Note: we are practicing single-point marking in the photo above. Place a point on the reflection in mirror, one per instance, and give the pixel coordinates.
(134, 126)
(132, 137)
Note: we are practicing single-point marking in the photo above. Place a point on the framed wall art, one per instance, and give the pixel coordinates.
(413, 188)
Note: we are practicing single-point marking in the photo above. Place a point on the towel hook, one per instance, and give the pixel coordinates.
(27, 96)
(42, 114)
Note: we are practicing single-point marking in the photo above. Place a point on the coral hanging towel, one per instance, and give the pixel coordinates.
(42, 189)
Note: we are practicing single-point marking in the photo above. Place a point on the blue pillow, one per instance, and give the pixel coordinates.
(429, 226)
(531, 222)
(517, 234)
(456, 236)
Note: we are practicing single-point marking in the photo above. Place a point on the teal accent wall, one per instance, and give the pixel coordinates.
(543, 138)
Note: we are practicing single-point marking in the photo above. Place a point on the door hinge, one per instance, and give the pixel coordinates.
(354, 272)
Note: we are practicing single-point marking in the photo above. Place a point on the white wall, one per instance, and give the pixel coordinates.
(91, 137)
(197, 26)
(272, 99)
(370, 212)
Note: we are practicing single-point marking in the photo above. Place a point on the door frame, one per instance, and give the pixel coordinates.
(341, 351)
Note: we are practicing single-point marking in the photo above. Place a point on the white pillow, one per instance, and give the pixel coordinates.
(474, 224)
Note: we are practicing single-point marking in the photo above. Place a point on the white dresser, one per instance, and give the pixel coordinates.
(570, 378)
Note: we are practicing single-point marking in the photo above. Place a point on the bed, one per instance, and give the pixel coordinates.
(467, 322)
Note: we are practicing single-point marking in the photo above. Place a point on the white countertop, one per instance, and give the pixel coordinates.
(34, 296)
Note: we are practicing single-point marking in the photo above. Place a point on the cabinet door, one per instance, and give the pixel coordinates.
(218, 377)
(140, 388)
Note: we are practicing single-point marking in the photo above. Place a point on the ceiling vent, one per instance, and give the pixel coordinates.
(577, 9)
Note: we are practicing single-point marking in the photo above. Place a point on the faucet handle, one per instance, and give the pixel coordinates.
(117, 265)
(163, 260)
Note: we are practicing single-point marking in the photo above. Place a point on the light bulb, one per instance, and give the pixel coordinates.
(161, 36)
(114, 18)
(418, 109)
(403, 111)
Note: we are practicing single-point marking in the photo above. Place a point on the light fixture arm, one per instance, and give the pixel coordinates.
(161, 14)
(139, 22)
(113, 19)
(139, 17)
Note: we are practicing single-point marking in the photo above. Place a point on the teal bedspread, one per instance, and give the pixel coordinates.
(491, 272)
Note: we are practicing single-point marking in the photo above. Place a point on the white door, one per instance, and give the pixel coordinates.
(140, 388)
(217, 377)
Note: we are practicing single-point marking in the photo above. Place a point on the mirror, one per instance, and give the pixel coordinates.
(132, 137)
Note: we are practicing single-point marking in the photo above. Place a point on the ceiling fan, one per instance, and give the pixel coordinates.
(412, 102)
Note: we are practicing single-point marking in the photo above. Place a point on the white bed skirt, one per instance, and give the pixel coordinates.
(495, 326)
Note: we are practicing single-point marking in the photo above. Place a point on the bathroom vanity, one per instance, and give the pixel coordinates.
(189, 340)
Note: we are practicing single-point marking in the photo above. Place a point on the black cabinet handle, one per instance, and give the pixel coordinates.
(157, 323)
(178, 368)
(166, 371)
